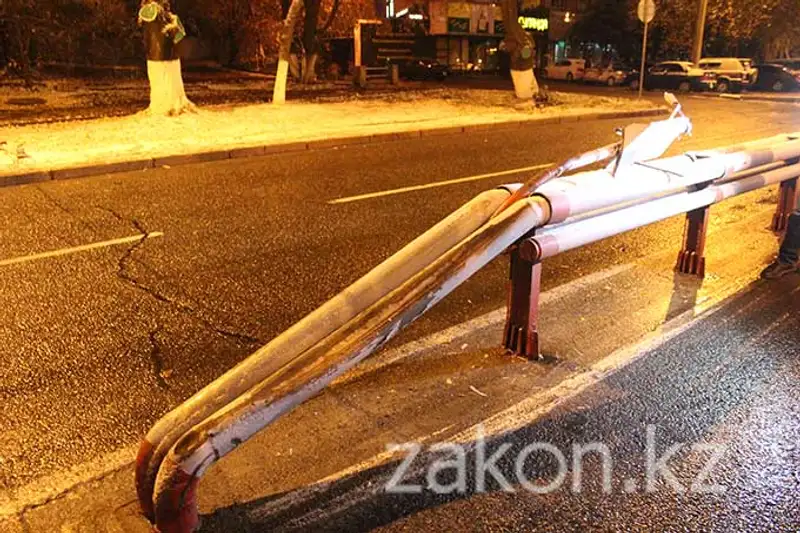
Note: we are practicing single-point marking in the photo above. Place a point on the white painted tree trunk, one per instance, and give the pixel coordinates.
(284, 51)
(525, 85)
(167, 95)
(279, 91)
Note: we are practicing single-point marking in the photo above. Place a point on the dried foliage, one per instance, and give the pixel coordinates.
(765, 29)
(105, 31)
(71, 31)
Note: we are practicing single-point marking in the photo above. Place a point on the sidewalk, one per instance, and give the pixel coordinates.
(308, 464)
(137, 142)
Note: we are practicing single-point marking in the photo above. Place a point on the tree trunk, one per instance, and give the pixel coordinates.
(167, 96)
(284, 50)
(162, 30)
(310, 44)
(310, 67)
(521, 51)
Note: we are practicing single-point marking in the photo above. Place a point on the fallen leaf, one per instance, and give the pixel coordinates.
(476, 391)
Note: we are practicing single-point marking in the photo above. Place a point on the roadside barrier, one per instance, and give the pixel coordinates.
(547, 215)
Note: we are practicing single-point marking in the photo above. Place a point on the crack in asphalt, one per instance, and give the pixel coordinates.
(52, 200)
(124, 274)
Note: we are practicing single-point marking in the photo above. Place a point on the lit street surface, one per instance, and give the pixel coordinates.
(727, 401)
(97, 344)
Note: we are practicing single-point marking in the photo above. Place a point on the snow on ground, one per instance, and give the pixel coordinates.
(62, 145)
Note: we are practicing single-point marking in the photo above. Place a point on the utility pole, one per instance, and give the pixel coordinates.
(697, 50)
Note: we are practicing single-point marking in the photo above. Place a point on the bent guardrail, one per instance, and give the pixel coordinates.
(317, 325)
(546, 216)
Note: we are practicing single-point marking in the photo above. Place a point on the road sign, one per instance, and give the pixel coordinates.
(646, 11)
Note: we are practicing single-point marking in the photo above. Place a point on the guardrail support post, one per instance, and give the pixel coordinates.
(691, 259)
(787, 200)
(521, 334)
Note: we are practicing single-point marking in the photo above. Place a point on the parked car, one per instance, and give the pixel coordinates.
(567, 69)
(423, 69)
(680, 76)
(792, 63)
(733, 74)
(770, 77)
(610, 75)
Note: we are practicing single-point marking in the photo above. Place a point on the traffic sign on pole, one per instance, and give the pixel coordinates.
(646, 11)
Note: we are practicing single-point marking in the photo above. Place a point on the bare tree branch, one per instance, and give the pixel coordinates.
(332, 16)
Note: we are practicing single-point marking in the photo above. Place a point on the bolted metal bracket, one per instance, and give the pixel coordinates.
(787, 200)
(521, 335)
(691, 259)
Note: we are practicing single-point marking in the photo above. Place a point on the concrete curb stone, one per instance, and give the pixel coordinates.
(103, 168)
(24, 179)
(343, 141)
(183, 159)
(443, 131)
(249, 151)
(260, 150)
(284, 148)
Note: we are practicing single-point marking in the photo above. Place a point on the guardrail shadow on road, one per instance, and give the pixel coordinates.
(585, 463)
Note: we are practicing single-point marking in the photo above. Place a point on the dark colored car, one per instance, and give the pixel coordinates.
(423, 69)
(679, 76)
(793, 64)
(776, 78)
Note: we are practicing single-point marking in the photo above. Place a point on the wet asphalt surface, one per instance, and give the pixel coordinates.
(698, 435)
(96, 346)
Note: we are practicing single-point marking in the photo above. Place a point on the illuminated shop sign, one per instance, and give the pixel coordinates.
(533, 23)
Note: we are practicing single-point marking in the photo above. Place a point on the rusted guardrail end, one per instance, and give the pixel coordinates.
(176, 506)
(144, 489)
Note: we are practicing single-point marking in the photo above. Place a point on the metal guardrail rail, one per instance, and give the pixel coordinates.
(546, 216)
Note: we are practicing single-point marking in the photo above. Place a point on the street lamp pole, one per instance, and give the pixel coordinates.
(697, 50)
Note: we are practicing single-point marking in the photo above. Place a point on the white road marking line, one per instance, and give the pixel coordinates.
(401, 190)
(77, 249)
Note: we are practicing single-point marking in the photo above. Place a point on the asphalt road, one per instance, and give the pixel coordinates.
(698, 435)
(95, 346)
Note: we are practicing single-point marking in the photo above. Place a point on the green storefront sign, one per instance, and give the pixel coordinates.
(457, 25)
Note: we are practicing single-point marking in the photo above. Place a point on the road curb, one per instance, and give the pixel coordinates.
(96, 169)
(751, 98)
(103, 168)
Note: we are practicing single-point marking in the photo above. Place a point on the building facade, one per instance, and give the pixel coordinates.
(468, 34)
